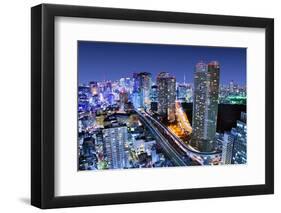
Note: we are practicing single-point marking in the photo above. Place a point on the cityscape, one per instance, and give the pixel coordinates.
(186, 116)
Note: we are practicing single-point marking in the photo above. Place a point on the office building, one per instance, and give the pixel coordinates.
(239, 155)
(114, 137)
(123, 97)
(142, 90)
(227, 148)
(205, 105)
(166, 85)
(182, 90)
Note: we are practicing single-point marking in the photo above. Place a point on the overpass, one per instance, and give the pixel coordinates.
(178, 144)
(176, 157)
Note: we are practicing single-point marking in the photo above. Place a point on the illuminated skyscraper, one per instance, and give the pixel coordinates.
(166, 85)
(153, 94)
(83, 97)
(182, 90)
(205, 105)
(240, 143)
(145, 87)
(122, 83)
(128, 85)
(227, 148)
(115, 137)
(154, 98)
(231, 86)
(107, 88)
(142, 88)
(123, 97)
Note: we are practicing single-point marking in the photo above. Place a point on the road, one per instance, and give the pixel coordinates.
(172, 153)
(189, 151)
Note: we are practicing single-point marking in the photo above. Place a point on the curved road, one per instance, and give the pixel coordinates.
(175, 157)
(192, 153)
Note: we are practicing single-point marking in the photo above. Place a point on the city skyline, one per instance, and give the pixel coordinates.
(100, 61)
(150, 119)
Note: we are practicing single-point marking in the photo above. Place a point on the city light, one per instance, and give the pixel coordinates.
(146, 120)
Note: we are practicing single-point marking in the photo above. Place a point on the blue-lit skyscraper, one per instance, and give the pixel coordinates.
(141, 90)
(227, 148)
(153, 94)
(239, 155)
(182, 90)
(115, 136)
(205, 105)
(154, 98)
(83, 97)
(145, 87)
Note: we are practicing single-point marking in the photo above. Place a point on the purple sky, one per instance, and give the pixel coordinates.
(99, 61)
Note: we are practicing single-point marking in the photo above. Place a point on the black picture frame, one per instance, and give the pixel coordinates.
(43, 111)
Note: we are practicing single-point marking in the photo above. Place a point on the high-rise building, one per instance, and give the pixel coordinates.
(153, 94)
(145, 87)
(154, 98)
(136, 99)
(136, 83)
(115, 137)
(189, 93)
(107, 89)
(166, 85)
(205, 105)
(239, 155)
(231, 86)
(227, 148)
(83, 97)
(98, 137)
(142, 89)
(128, 85)
(182, 90)
(236, 89)
(123, 97)
(122, 83)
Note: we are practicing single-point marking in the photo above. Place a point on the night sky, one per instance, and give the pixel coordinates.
(99, 61)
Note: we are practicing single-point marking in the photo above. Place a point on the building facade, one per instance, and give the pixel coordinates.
(142, 90)
(205, 105)
(166, 93)
(239, 155)
(227, 148)
(115, 137)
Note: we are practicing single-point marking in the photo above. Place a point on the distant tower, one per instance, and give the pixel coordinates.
(166, 85)
(205, 105)
(231, 86)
